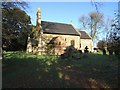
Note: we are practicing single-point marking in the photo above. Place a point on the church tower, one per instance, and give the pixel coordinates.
(35, 43)
(39, 31)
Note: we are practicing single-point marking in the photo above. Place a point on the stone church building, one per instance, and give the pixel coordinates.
(62, 35)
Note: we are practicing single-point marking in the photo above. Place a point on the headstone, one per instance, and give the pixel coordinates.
(86, 50)
(104, 52)
(29, 45)
(110, 52)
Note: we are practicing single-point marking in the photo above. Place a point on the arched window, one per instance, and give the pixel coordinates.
(59, 43)
(80, 45)
(72, 43)
(65, 39)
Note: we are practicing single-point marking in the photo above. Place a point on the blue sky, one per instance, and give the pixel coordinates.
(65, 12)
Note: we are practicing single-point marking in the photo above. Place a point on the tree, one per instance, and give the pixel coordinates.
(84, 21)
(15, 4)
(96, 4)
(113, 37)
(101, 44)
(93, 23)
(15, 25)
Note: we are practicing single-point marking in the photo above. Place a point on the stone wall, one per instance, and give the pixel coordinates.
(68, 39)
(86, 42)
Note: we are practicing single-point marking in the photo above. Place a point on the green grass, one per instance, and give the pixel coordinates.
(40, 71)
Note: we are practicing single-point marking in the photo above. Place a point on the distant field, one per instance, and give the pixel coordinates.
(21, 70)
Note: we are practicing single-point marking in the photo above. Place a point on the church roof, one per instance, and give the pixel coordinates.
(58, 28)
(84, 35)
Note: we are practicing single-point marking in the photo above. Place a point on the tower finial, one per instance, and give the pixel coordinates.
(38, 10)
(38, 16)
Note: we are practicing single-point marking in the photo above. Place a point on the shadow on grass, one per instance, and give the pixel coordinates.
(23, 70)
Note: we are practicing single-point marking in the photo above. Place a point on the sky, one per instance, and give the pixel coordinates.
(65, 12)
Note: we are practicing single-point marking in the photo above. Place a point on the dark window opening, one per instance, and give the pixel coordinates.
(72, 43)
(59, 43)
(65, 39)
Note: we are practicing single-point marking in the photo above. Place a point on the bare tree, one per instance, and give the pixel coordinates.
(96, 5)
(84, 21)
(95, 24)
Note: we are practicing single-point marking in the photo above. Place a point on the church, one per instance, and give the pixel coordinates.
(61, 35)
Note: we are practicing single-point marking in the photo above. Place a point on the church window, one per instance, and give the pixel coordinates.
(65, 39)
(59, 43)
(80, 45)
(72, 43)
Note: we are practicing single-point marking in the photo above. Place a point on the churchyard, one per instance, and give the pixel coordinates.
(60, 54)
(22, 70)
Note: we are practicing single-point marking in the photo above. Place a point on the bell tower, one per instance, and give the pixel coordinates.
(39, 31)
(33, 46)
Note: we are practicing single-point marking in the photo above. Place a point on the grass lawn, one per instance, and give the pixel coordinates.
(21, 70)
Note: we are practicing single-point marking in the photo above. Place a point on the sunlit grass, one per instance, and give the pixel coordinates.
(100, 52)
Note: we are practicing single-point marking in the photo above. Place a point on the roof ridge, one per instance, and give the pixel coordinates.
(57, 22)
(59, 28)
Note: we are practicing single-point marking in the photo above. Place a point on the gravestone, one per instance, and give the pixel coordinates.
(110, 52)
(104, 52)
(86, 50)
